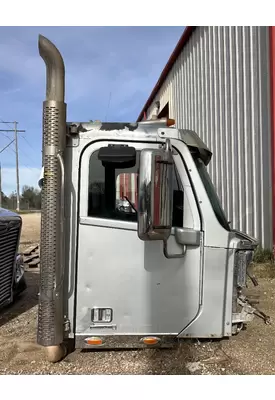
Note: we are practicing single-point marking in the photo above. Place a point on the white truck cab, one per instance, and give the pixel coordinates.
(136, 249)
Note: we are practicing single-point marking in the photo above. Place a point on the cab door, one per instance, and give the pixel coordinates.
(125, 285)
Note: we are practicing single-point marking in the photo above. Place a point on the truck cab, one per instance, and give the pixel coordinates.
(136, 250)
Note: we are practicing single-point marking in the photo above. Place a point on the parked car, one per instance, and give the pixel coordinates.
(12, 278)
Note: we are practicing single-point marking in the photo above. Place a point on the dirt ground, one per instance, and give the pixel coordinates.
(31, 229)
(252, 351)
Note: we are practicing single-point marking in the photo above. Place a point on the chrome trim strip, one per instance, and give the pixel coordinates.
(103, 326)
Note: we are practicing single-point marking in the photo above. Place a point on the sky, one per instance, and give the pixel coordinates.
(118, 66)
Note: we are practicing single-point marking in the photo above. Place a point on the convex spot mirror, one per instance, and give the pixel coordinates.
(155, 193)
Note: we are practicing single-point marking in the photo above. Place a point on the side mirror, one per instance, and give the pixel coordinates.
(41, 178)
(155, 194)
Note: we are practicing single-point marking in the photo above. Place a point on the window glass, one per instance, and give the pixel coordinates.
(126, 192)
(212, 194)
(114, 194)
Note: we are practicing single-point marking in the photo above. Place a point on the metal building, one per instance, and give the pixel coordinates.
(219, 81)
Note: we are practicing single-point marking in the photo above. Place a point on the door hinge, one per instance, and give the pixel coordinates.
(67, 325)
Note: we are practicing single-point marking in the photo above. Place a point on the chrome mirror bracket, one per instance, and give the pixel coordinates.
(171, 256)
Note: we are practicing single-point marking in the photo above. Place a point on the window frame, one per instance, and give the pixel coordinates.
(103, 212)
(84, 185)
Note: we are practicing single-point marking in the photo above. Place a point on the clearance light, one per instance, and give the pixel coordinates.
(93, 341)
(150, 340)
(170, 122)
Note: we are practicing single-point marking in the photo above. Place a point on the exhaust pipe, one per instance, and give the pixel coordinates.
(50, 333)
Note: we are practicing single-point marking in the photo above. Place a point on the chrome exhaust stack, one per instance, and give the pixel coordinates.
(50, 310)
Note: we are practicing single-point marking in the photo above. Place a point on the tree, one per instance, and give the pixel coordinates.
(12, 201)
(5, 201)
(30, 198)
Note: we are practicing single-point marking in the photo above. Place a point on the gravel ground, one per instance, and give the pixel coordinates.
(252, 351)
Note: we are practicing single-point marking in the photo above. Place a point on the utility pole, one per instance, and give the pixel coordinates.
(1, 151)
(17, 167)
(16, 131)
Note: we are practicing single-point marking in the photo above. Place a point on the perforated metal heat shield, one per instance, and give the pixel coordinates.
(50, 311)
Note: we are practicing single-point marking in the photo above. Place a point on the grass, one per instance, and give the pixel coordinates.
(264, 270)
(263, 263)
(263, 256)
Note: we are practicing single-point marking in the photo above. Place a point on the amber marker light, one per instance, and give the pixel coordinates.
(170, 122)
(94, 341)
(150, 340)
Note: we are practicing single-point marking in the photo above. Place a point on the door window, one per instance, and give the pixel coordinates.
(212, 194)
(115, 195)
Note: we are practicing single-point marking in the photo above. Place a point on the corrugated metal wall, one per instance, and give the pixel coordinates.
(220, 87)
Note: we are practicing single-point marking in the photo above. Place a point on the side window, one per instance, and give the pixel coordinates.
(113, 194)
(178, 200)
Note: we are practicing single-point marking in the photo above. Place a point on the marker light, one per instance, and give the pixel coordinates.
(170, 122)
(94, 341)
(150, 340)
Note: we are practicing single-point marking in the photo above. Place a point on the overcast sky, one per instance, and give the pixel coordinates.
(123, 61)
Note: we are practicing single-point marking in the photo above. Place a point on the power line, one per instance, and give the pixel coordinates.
(5, 135)
(22, 164)
(27, 157)
(25, 153)
(27, 142)
(6, 123)
(12, 150)
(16, 131)
(21, 136)
(29, 168)
(4, 148)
